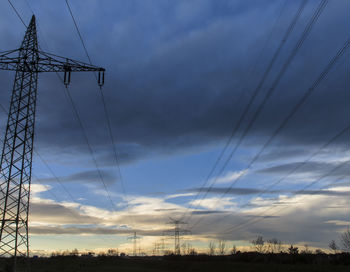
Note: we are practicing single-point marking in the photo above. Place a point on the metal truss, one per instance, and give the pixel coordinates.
(17, 152)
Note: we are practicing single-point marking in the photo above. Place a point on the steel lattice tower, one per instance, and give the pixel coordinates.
(17, 152)
(134, 238)
(177, 233)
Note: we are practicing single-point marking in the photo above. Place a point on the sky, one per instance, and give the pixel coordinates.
(179, 75)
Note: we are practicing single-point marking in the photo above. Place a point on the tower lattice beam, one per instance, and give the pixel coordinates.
(45, 62)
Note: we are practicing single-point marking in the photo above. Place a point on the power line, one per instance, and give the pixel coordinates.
(255, 93)
(36, 178)
(15, 10)
(263, 215)
(56, 198)
(178, 232)
(251, 74)
(68, 96)
(59, 202)
(306, 95)
(134, 238)
(58, 180)
(116, 157)
(39, 28)
(300, 165)
(45, 163)
(77, 28)
(36, 152)
(228, 142)
(301, 40)
(275, 83)
(82, 128)
(17, 153)
(89, 147)
(107, 116)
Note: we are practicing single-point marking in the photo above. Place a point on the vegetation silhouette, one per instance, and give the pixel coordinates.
(269, 255)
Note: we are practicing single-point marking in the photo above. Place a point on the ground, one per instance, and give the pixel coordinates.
(249, 263)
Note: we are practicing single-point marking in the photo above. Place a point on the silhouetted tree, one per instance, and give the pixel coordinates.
(306, 250)
(259, 244)
(233, 250)
(293, 250)
(167, 252)
(112, 252)
(156, 249)
(187, 249)
(184, 249)
(333, 246)
(192, 252)
(319, 251)
(345, 240)
(212, 247)
(274, 245)
(222, 247)
(65, 253)
(55, 253)
(74, 252)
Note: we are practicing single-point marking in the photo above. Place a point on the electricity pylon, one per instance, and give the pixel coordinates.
(16, 158)
(134, 238)
(177, 234)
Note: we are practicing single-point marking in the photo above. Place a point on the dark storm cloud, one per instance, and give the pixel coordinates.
(85, 176)
(59, 214)
(174, 74)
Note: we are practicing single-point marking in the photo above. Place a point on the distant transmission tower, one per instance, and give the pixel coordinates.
(134, 238)
(17, 152)
(163, 245)
(178, 232)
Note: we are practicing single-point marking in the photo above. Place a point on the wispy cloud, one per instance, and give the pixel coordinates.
(179, 195)
(230, 176)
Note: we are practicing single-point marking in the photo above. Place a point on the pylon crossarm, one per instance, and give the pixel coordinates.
(47, 63)
(52, 63)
